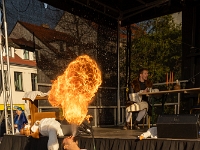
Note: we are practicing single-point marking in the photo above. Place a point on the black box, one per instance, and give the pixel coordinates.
(178, 126)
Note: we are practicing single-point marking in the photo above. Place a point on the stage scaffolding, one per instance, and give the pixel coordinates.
(5, 76)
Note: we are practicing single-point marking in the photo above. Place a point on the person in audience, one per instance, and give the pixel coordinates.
(20, 119)
(138, 85)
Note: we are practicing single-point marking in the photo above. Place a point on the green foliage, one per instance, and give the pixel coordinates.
(158, 48)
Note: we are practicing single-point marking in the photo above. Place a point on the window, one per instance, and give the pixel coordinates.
(18, 81)
(26, 54)
(34, 57)
(5, 81)
(9, 51)
(33, 81)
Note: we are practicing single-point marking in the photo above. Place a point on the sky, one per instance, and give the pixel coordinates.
(31, 11)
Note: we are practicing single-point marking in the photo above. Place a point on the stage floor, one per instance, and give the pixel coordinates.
(117, 133)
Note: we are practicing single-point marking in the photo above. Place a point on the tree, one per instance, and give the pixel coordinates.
(83, 31)
(157, 47)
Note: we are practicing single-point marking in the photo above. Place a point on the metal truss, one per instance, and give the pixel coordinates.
(6, 78)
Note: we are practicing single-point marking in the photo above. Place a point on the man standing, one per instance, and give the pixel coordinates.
(138, 85)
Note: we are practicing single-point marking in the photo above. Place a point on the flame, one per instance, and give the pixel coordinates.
(73, 91)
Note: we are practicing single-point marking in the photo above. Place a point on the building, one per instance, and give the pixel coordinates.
(23, 73)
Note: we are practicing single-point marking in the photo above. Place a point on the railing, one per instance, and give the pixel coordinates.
(98, 106)
(177, 111)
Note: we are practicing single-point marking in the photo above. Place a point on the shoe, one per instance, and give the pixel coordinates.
(126, 126)
(136, 127)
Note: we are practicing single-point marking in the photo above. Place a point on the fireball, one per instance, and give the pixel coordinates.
(74, 89)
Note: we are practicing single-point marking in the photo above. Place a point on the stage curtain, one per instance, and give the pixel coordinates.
(13, 142)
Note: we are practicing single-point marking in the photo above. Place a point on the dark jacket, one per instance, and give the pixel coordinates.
(135, 84)
(135, 87)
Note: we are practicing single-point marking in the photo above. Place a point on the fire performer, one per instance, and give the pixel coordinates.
(48, 127)
(70, 144)
(140, 84)
(75, 89)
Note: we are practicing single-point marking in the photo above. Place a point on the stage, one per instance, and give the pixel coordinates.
(105, 139)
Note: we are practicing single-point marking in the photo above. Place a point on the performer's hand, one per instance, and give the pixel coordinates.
(15, 125)
(146, 90)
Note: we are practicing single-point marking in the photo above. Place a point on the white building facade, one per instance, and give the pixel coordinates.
(23, 73)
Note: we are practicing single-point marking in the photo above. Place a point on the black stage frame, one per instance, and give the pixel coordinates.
(18, 142)
(105, 139)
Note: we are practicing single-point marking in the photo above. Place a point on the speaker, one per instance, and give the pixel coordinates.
(178, 126)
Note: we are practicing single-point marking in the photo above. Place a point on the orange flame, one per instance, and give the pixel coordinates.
(73, 91)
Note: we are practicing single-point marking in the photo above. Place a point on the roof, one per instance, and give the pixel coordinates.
(47, 36)
(19, 61)
(24, 44)
(108, 12)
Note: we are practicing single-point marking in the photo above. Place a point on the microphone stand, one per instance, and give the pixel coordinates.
(91, 119)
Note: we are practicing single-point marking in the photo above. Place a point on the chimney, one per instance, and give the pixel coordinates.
(45, 26)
